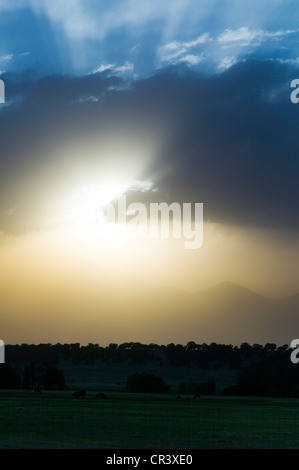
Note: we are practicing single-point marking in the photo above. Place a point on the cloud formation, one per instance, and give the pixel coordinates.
(173, 51)
(79, 36)
(229, 141)
(113, 69)
(246, 36)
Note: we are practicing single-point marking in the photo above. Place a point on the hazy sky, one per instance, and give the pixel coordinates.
(168, 101)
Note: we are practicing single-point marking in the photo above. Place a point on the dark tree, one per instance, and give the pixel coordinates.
(53, 378)
(147, 383)
(268, 378)
(32, 376)
(206, 388)
(9, 378)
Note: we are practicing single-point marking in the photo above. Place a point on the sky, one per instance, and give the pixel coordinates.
(173, 101)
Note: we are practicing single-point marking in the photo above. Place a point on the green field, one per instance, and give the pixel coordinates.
(55, 420)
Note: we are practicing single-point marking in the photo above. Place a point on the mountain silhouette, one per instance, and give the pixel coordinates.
(226, 313)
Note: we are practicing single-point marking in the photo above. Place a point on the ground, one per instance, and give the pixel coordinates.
(145, 421)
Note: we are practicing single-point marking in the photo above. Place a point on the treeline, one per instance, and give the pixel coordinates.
(262, 370)
(31, 376)
(206, 356)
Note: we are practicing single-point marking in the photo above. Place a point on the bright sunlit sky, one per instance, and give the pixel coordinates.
(166, 101)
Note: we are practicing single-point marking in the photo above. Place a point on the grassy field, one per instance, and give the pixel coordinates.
(55, 420)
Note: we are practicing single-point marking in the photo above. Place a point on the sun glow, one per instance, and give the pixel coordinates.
(84, 223)
(86, 204)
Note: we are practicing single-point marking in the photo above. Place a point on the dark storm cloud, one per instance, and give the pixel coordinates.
(236, 145)
(232, 140)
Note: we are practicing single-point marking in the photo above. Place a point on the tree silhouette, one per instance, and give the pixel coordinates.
(9, 377)
(146, 383)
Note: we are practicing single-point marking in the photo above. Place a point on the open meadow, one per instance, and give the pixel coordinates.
(145, 421)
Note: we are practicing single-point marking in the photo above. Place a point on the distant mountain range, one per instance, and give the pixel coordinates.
(227, 313)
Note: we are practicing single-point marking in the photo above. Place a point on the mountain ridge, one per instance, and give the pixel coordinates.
(226, 313)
